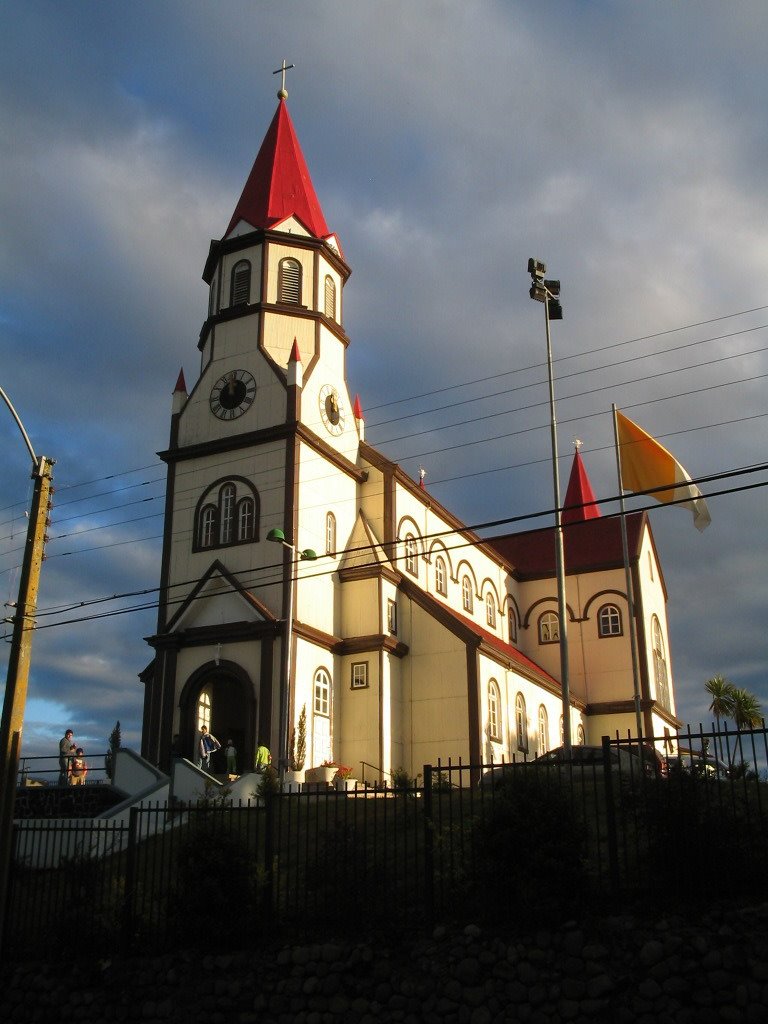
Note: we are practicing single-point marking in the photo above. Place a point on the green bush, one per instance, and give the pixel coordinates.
(527, 849)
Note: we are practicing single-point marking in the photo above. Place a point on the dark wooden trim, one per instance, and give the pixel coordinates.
(627, 707)
(225, 246)
(642, 650)
(217, 567)
(165, 558)
(373, 642)
(473, 706)
(199, 636)
(252, 438)
(165, 734)
(323, 448)
(366, 572)
(327, 641)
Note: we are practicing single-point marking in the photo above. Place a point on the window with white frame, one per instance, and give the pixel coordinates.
(609, 621)
(411, 560)
(204, 710)
(359, 675)
(512, 625)
(240, 291)
(330, 297)
(441, 585)
(543, 738)
(330, 534)
(549, 628)
(321, 718)
(466, 594)
(392, 617)
(227, 513)
(521, 722)
(494, 711)
(289, 281)
(660, 665)
(490, 610)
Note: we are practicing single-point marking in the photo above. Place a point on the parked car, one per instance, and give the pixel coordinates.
(694, 762)
(588, 756)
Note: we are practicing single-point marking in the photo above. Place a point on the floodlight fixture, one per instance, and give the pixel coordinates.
(536, 268)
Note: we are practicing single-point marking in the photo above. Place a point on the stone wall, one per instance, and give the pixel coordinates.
(622, 970)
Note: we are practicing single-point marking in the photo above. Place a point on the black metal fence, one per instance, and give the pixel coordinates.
(519, 841)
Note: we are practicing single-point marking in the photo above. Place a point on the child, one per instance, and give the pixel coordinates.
(78, 770)
(231, 755)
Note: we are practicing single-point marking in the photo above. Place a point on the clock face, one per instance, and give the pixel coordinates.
(331, 409)
(233, 394)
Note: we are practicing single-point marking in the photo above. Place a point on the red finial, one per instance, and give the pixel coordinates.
(422, 474)
(295, 354)
(180, 383)
(357, 409)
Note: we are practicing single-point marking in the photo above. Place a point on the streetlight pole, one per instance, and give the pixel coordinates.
(547, 292)
(308, 555)
(17, 680)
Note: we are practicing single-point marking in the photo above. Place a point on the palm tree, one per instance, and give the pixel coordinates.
(721, 692)
(746, 713)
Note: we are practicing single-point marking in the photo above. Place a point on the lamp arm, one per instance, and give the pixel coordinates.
(20, 425)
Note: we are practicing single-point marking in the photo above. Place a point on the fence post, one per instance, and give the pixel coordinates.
(130, 879)
(268, 905)
(429, 848)
(610, 816)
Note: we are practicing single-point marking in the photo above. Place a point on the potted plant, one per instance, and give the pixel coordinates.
(343, 779)
(294, 776)
(323, 774)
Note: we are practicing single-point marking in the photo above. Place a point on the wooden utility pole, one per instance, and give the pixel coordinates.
(18, 668)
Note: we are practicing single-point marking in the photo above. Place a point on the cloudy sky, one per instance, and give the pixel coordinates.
(624, 143)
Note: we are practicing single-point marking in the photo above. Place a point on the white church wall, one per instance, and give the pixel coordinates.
(280, 330)
(371, 499)
(360, 613)
(607, 661)
(358, 715)
(654, 604)
(321, 729)
(434, 691)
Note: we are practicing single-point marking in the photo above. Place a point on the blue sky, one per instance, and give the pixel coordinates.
(624, 143)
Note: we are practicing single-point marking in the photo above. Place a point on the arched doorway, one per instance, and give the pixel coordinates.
(222, 698)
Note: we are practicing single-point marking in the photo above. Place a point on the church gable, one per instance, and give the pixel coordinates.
(218, 597)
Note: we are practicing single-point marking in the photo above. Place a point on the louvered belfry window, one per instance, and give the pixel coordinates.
(289, 281)
(330, 298)
(241, 283)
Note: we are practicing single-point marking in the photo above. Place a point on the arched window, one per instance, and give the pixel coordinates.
(466, 594)
(494, 711)
(512, 625)
(581, 738)
(490, 610)
(227, 509)
(660, 665)
(609, 621)
(549, 628)
(321, 718)
(521, 722)
(227, 513)
(245, 515)
(562, 731)
(543, 743)
(330, 534)
(204, 710)
(208, 518)
(330, 297)
(440, 577)
(411, 562)
(240, 291)
(289, 281)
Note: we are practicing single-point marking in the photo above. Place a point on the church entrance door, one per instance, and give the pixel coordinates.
(221, 697)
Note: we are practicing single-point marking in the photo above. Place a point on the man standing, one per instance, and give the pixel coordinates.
(66, 750)
(207, 745)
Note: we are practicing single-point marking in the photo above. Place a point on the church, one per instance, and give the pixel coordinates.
(305, 575)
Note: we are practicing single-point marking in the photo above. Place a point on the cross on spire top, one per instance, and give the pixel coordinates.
(283, 92)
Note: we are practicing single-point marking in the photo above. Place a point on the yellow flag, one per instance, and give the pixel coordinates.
(646, 465)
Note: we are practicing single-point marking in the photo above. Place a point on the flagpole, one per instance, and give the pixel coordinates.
(630, 588)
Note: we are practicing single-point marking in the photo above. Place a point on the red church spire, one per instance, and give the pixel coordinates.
(579, 493)
(279, 184)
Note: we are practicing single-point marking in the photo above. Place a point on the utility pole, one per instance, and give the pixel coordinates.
(19, 660)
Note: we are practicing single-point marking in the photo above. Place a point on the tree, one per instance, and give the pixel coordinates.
(746, 711)
(721, 692)
(115, 742)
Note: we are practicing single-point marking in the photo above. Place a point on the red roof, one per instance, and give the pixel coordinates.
(589, 546)
(580, 502)
(279, 184)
